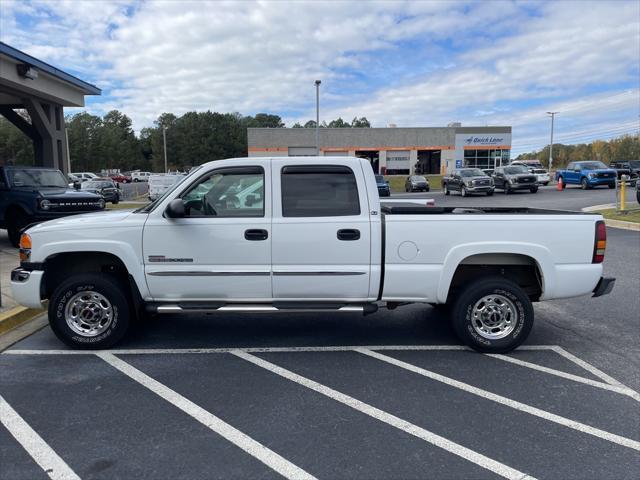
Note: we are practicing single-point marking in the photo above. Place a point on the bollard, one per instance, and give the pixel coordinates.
(623, 183)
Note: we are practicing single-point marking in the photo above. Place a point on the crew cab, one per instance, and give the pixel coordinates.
(468, 181)
(37, 194)
(515, 177)
(305, 234)
(587, 174)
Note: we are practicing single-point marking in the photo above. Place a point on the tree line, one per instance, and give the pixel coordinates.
(626, 147)
(109, 142)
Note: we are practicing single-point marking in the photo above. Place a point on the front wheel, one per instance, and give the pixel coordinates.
(90, 311)
(612, 185)
(463, 192)
(489, 193)
(533, 189)
(492, 315)
(446, 189)
(507, 188)
(584, 184)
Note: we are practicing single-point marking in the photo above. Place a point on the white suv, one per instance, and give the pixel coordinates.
(140, 176)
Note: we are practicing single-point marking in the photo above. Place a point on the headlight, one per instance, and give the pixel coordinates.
(45, 204)
(592, 175)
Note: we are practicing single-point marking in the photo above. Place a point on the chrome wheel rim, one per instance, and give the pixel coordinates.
(494, 316)
(88, 313)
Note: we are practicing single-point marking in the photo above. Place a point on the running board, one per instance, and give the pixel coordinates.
(260, 308)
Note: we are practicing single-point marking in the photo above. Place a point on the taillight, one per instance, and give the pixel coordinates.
(600, 243)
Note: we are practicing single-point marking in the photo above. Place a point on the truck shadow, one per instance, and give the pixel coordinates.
(415, 324)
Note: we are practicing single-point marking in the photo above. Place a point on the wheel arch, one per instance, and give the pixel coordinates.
(530, 266)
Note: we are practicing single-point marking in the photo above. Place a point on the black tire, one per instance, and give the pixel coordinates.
(463, 319)
(446, 189)
(106, 286)
(489, 193)
(546, 183)
(533, 189)
(16, 221)
(612, 185)
(136, 180)
(507, 188)
(426, 189)
(463, 191)
(584, 184)
(116, 201)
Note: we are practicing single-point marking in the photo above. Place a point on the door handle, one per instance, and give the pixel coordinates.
(256, 234)
(348, 234)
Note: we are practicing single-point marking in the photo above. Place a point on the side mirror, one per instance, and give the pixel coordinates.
(175, 209)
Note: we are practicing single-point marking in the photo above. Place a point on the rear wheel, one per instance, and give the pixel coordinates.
(446, 189)
(533, 189)
(90, 311)
(492, 315)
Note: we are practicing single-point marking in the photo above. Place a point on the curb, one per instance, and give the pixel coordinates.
(17, 316)
(634, 227)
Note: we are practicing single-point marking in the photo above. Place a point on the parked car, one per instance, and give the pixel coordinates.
(542, 176)
(121, 178)
(383, 186)
(468, 181)
(315, 239)
(84, 176)
(515, 177)
(106, 188)
(627, 167)
(36, 194)
(529, 164)
(587, 174)
(140, 176)
(415, 183)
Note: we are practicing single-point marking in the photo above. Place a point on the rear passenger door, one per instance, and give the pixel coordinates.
(321, 239)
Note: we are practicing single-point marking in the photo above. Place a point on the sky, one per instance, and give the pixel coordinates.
(420, 63)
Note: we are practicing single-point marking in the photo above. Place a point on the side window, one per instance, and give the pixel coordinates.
(571, 166)
(319, 191)
(229, 192)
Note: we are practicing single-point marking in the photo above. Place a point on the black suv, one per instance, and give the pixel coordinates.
(627, 167)
(36, 194)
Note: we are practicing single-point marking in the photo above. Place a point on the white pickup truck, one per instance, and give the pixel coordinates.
(289, 234)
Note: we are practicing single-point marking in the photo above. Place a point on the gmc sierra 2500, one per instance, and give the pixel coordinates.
(289, 234)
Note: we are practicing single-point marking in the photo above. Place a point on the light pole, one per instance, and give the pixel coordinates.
(552, 114)
(164, 143)
(318, 82)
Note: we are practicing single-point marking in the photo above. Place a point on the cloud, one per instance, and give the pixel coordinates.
(409, 63)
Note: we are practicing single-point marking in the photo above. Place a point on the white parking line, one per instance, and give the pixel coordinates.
(419, 432)
(558, 373)
(581, 427)
(39, 450)
(587, 366)
(235, 436)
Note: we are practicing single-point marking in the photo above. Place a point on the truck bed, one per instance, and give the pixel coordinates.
(407, 209)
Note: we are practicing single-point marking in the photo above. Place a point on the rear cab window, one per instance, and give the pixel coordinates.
(319, 191)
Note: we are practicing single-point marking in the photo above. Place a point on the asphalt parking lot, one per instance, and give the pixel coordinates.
(389, 395)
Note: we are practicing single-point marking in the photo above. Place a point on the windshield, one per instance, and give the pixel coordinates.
(152, 205)
(417, 178)
(592, 165)
(634, 163)
(515, 170)
(93, 184)
(37, 177)
(472, 172)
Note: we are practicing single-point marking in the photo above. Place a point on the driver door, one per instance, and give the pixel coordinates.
(221, 249)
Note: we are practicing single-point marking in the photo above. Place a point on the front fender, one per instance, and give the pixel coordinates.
(541, 255)
(131, 259)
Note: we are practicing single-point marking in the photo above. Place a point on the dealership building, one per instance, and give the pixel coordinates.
(391, 150)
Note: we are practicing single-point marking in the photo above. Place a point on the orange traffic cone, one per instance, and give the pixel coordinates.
(560, 186)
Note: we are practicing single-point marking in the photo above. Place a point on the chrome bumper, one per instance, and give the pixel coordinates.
(25, 285)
